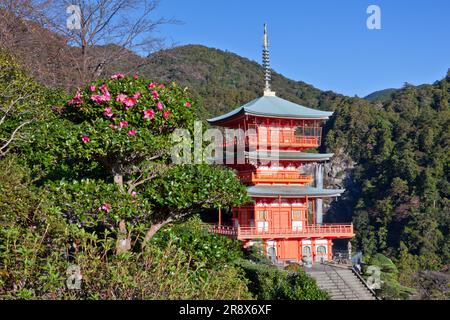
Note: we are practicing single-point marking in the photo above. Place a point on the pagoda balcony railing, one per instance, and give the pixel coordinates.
(274, 177)
(314, 231)
(283, 141)
(286, 141)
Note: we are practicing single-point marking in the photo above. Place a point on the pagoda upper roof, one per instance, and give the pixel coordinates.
(273, 106)
(292, 191)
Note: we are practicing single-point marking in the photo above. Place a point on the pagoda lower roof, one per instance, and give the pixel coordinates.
(292, 191)
(273, 106)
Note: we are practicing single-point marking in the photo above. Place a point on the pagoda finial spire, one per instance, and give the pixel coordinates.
(266, 64)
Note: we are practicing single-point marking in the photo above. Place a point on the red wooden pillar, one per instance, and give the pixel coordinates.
(313, 249)
(307, 211)
(330, 249)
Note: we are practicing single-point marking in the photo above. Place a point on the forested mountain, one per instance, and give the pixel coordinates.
(381, 95)
(401, 175)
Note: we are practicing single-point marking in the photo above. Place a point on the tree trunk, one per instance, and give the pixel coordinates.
(154, 228)
(118, 176)
(123, 243)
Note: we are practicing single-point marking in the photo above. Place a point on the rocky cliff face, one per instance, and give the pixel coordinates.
(339, 171)
(338, 175)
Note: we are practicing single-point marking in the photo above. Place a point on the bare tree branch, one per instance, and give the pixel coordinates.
(12, 137)
(109, 30)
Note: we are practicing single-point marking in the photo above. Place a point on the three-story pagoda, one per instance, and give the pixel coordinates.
(284, 180)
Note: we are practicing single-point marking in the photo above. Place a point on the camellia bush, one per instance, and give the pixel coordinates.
(123, 126)
(126, 120)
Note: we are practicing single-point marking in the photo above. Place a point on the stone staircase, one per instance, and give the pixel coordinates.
(340, 283)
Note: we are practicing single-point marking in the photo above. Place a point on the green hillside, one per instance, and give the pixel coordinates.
(381, 95)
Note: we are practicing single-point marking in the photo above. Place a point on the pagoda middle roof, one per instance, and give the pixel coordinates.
(273, 106)
(292, 191)
(289, 155)
(281, 155)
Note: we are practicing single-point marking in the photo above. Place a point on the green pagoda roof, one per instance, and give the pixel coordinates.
(292, 191)
(273, 106)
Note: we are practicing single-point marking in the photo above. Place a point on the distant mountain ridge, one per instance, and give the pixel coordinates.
(222, 81)
(381, 95)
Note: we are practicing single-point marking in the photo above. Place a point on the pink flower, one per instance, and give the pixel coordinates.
(136, 76)
(155, 94)
(166, 115)
(104, 97)
(137, 95)
(162, 86)
(99, 99)
(76, 99)
(160, 106)
(187, 104)
(85, 139)
(112, 126)
(149, 114)
(108, 112)
(121, 97)
(129, 102)
(93, 88)
(117, 76)
(105, 92)
(132, 132)
(123, 124)
(106, 207)
(152, 85)
(134, 194)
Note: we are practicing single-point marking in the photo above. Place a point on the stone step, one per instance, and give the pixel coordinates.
(341, 284)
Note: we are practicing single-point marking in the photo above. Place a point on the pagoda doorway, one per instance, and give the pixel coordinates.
(280, 220)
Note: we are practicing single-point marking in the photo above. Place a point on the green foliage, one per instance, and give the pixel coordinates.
(299, 286)
(206, 250)
(390, 287)
(400, 185)
(380, 96)
(97, 204)
(38, 244)
(270, 283)
(185, 188)
(20, 102)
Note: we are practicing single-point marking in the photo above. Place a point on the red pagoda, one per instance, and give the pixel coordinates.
(284, 180)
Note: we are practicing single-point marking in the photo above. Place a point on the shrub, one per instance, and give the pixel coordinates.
(390, 287)
(206, 250)
(270, 283)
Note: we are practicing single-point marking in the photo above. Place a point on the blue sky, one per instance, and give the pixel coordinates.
(324, 43)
